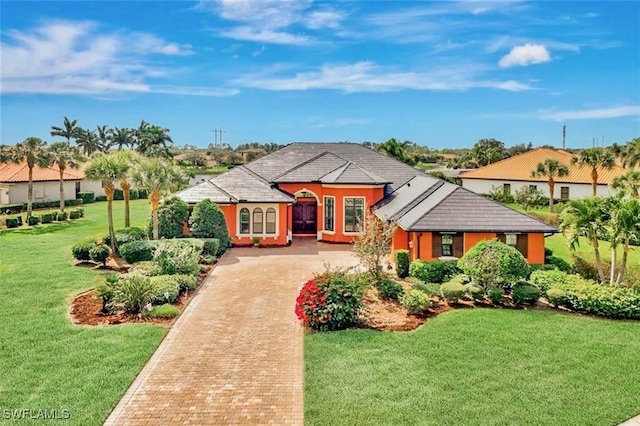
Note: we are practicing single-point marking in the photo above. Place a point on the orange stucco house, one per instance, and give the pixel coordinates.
(322, 190)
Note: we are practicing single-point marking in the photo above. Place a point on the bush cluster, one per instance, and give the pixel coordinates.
(207, 221)
(494, 264)
(402, 263)
(172, 214)
(100, 253)
(14, 222)
(524, 293)
(137, 251)
(101, 198)
(11, 208)
(81, 250)
(61, 216)
(87, 196)
(389, 289)
(126, 235)
(437, 271)
(33, 220)
(453, 290)
(416, 301)
(46, 218)
(176, 257)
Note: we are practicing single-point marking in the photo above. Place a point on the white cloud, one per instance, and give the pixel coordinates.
(589, 114)
(247, 33)
(75, 57)
(591, 15)
(324, 19)
(369, 77)
(524, 55)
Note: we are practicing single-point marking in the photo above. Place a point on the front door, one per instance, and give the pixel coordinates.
(304, 218)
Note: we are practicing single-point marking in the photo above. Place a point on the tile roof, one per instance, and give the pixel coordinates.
(313, 169)
(519, 168)
(15, 173)
(351, 173)
(423, 205)
(206, 190)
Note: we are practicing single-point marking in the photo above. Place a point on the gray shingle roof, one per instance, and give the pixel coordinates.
(351, 173)
(279, 162)
(203, 191)
(313, 169)
(424, 206)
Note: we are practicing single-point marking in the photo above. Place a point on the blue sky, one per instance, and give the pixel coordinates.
(442, 74)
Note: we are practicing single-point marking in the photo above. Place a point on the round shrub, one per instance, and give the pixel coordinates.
(137, 251)
(207, 221)
(186, 282)
(172, 214)
(453, 291)
(126, 235)
(33, 220)
(100, 254)
(556, 297)
(47, 218)
(475, 292)
(436, 271)
(61, 216)
(211, 246)
(416, 301)
(402, 263)
(75, 214)
(166, 289)
(525, 293)
(492, 263)
(496, 294)
(389, 289)
(544, 280)
(174, 257)
(81, 250)
(86, 196)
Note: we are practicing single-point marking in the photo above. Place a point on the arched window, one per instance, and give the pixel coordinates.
(271, 220)
(244, 221)
(257, 220)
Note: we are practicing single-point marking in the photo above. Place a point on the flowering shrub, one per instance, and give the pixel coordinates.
(330, 301)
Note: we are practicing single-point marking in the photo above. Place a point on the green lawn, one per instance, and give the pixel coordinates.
(45, 361)
(477, 367)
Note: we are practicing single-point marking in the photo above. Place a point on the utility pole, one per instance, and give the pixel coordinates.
(221, 132)
(564, 135)
(217, 132)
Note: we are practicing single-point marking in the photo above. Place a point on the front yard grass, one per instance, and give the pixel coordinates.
(47, 363)
(477, 366)
(558, 243)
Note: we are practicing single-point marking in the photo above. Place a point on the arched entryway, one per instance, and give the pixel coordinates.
(305, 213)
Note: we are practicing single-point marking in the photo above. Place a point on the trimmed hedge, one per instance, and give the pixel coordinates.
(60, 216)
(81, 250)
(99, 254)
(524, 293)
(134, 194)
(101, 198)
(211, 246)
(548, 279)
(137, 251)
(453, 291)
(609, 301)
(87, 196)
(494, 264)
(556, 296)
(14, 222)
(402, 263)
(46, 218)
(126, 235)
(143, 194)
(33, 220)
(208, 221)
(437, 271)
(118, 194)
(11, 208)
(166, 288)
(416, 301)
(75, 214)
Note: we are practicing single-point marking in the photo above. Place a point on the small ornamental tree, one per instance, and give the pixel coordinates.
(528, 197)
(172, 214)
(493, 264)
(207, 221)
(374, 244)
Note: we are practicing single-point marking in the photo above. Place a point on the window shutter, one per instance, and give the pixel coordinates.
(523, 244)
(437, 245)
(502, 238)
(458, 245)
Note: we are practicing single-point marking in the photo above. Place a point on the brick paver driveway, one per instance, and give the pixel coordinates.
(235, 355)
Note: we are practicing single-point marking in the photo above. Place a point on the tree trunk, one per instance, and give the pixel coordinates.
(594, 181)
(634, 192)
(109, 189)
(155, 201)
(596, 252)
(552, 185)
(614, 261)
(623, 265)
(61, 188)
(30, 193)
(126, 191)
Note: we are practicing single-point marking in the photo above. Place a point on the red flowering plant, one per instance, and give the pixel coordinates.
(330, 301)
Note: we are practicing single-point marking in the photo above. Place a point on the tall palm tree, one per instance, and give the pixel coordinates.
(625, 223)
(594, 158)
(628, 182)
(153, 141)
(88, 141)
(108, 168)
(69, 129)
(120, 137)
(103, 137)
(65, 157)
(34, 152)
(631, 153)
(4, 154)
(550, 169)
(157, 176)
(585, 218)
(131, 159)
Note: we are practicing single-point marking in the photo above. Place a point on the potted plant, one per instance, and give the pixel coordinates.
(256, 241)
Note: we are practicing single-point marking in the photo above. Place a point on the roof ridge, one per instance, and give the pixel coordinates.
(296, 167)
(435, 205)
(420, 198)
(222, 190)
(371, 174)
(345, 165)
(252, 173)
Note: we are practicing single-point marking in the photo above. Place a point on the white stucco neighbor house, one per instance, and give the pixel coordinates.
(513, 173)
(14, 183)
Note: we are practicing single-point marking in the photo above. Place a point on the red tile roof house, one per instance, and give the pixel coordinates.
(322, 190)
(14, 183)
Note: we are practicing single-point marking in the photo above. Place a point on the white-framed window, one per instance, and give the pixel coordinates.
(244, 221)
(257, 220)
(271, 220)
(353, 214)
(447, 245)
(329, 214)
(511, 239)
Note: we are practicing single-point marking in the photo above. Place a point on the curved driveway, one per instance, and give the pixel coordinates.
(235, 354)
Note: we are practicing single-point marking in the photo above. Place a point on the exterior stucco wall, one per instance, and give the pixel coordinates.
(42, 191)
(232, 217)
(93, 185)
(576, 191)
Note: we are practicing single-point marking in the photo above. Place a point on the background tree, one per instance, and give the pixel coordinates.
(64, 156)
(108, 168)
(550, 169)
(628, 182)
(395, 149)
(121, 137)
(153, 141)
(594, 158)
(528, 197)
(158, 177)
(374, 244)
(103, 136)
(488, 151)
(34, 152)
(130, 158)
(625, 223)
(631, 153)
(88, 141)
(69, 129)
(585, 218)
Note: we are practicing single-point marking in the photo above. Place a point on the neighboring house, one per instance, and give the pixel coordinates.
(14, 183)
(323, 190)
(95, 186)
(251, 154)
(513, 173)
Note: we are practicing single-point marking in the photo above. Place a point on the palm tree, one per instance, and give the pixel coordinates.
(130, 158)
(108, 168)
(88, 141)
(393, 148)
(120, 137)
(65, 157)
(68, 130)
(550, 169)
(103, 137)
(628, 182)
(34, 152)
(158, 177)
(625, 223)
(153, 140)
(4, 154)
(595, 158)
(631, 153)
(585, 218)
